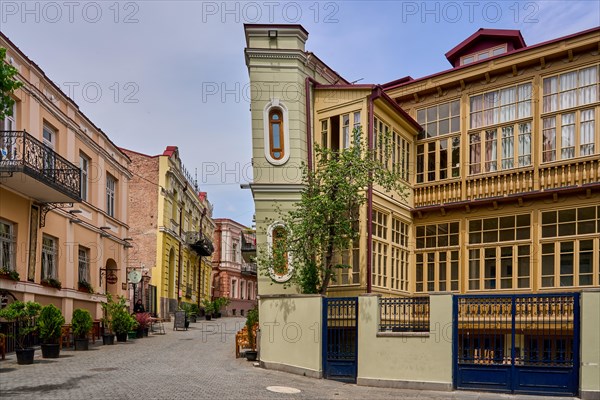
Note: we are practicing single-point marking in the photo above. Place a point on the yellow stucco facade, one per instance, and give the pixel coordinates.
(169, 215)
(63, 199)
(501, 163)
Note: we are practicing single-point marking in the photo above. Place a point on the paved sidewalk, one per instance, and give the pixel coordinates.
(196, 364)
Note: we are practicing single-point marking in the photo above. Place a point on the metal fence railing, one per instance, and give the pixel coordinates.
(404, 314)
(10, 329)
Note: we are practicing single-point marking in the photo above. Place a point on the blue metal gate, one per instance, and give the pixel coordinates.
(340, 338)
(517, 343)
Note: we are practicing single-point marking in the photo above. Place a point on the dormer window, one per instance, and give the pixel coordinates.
(482, 55)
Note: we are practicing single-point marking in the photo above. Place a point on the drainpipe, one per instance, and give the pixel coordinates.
(179, 242)
(308, 82)
(200, 264)
(370, 118)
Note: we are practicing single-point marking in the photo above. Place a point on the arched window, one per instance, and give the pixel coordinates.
(276, 132)
(276, 146)
(280, 255)
(281, 269)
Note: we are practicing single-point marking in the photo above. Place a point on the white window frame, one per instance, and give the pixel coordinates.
(111, 189)
(7, 243)
(234, 288)
(83, 264)
(49, 257)
(84, 166)
(275, 103)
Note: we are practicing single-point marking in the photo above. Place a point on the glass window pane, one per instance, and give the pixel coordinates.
(566, 215)
(549, 217)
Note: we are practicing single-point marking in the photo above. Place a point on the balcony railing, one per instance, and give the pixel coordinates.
(21, 153)
(438, 193)
(501, 184)
(199, 243)
(572, 173)
(249, 269)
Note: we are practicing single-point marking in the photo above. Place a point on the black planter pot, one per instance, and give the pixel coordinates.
(81, 344)
(50, 350)
(146, 331)
(187, 323)
(108, 339)
(122, 337)
(217, 315)
(251, 355)
(208, 317)
(25, 356)
(139, 334)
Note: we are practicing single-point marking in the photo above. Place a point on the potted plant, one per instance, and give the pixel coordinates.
(82, 323)
(190, 312)
(132, 334)
(209, 309)
(109, 308)
(50, 324)
(143, 324)
(122, 323)
(219, 303)
(251, 320)
(51, 282)
(23, 315)
(11, 274)
(86, 287)
(194, 312)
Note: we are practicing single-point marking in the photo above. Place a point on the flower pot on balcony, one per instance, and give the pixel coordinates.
(131, 335)
(146, 331)
(50, 350)
(25, 356)
(208, 317)
(122, 337)
(139, 334)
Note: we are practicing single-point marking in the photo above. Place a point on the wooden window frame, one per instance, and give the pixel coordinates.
(9, 241)
(272, 121)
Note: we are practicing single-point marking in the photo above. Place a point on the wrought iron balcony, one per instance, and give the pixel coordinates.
(32, 168)
(249, 269)
(199, 243)
(248, 246)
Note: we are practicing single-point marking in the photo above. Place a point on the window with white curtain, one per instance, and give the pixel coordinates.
(524, 149)
(499, 144)
(500, 106)
(506, 140)
(586, 132)
(549, 139)
(571, 89)
(508, 147)
(568, 132)
(568, 135)
(491, 152)
(49, 257)
(84, 264)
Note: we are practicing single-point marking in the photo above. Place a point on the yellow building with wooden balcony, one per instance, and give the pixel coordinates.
(172, 228)
(64, 239)
(500, 155)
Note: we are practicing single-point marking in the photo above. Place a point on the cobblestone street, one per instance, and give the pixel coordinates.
(194, 364)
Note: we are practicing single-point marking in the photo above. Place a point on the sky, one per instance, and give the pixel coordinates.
(153, 74)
